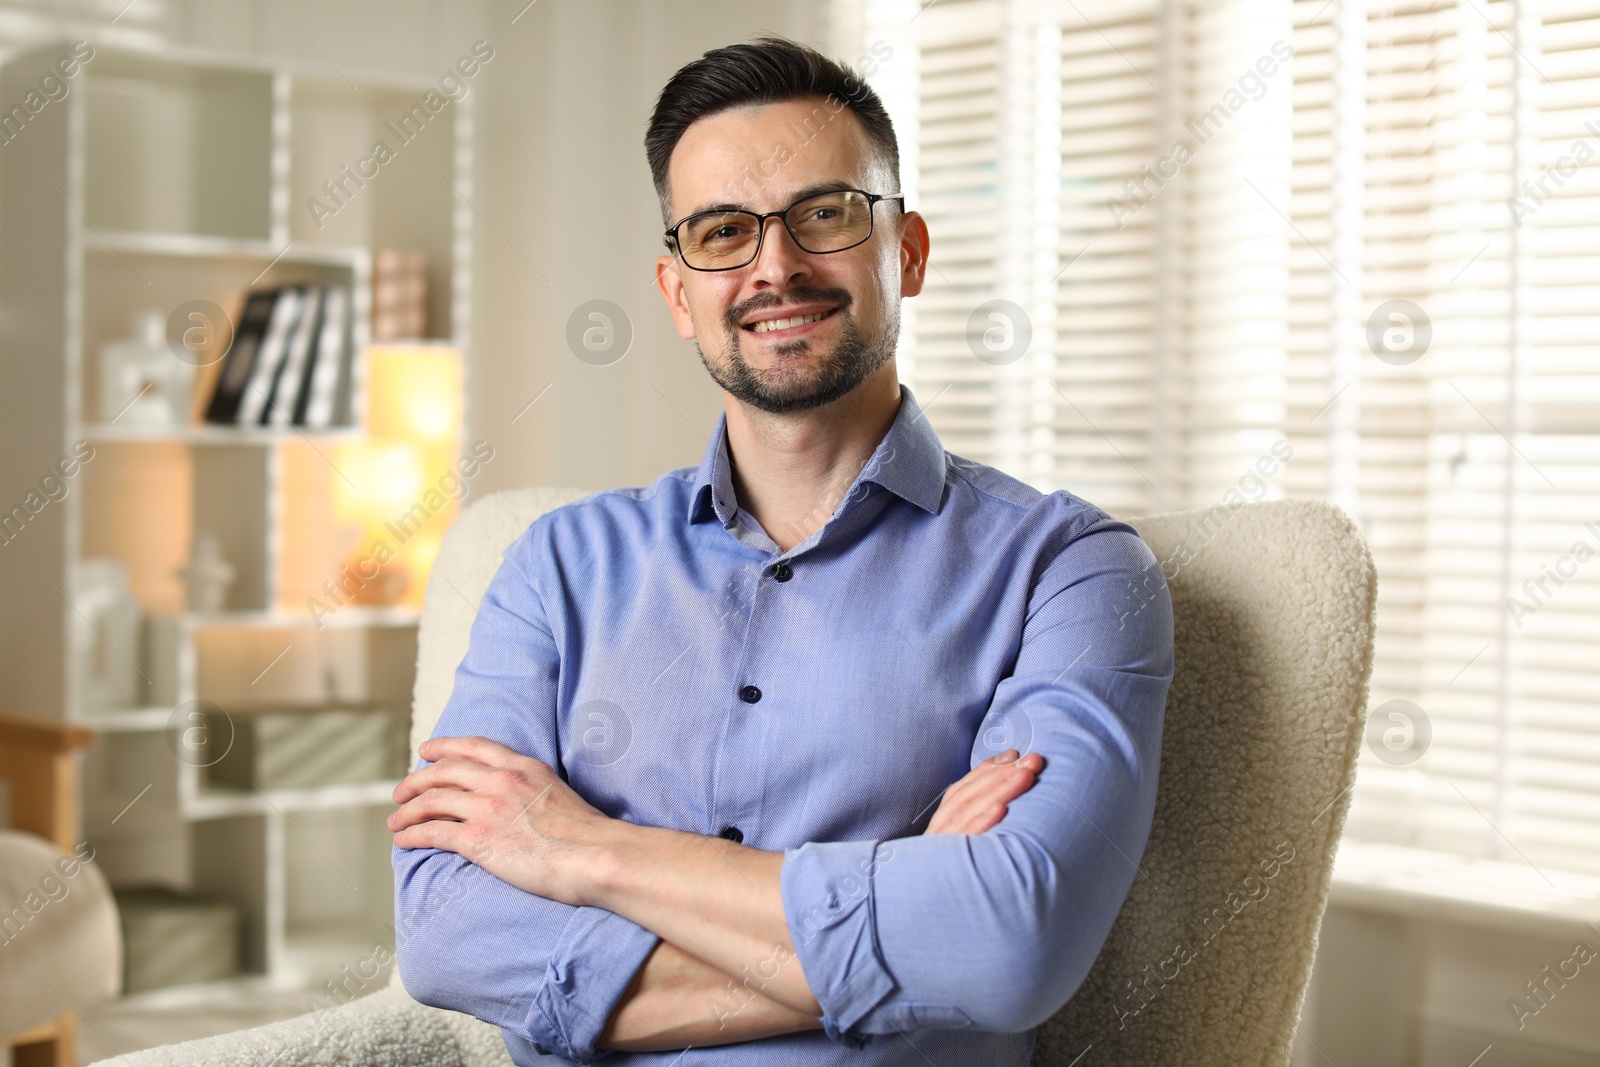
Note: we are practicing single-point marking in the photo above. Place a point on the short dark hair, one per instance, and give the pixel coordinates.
(767, 70)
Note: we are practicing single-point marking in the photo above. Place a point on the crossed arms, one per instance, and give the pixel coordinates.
(522, 904)
(721, 901)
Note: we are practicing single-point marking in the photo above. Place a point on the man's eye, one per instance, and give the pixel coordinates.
(726, 233)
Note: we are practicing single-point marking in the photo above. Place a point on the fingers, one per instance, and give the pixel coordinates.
(449, 836)
(978, 801)
(1032, 761)
(1000, 784)
(455, 773)
(477, 749)
(452, 804)
(999, 772)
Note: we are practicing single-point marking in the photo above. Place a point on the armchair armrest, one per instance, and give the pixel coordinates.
(386, 1027)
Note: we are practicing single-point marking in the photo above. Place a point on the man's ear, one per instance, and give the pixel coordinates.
(913, 254)
(671, 285)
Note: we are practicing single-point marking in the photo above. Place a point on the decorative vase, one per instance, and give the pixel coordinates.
(107, 639)
(207, 575)
(141, 382)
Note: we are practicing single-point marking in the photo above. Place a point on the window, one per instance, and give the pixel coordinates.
(1369, 233)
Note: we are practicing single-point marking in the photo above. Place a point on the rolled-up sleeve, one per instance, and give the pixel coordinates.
(548, 974)
(996, 931)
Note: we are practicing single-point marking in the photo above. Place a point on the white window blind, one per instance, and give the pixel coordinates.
(1378, 246)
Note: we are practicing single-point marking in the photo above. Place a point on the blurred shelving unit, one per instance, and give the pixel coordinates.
(168, 175)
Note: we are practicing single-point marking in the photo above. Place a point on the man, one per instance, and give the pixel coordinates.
(674, 800)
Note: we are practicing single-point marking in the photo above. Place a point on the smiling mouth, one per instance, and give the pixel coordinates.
(787, 325)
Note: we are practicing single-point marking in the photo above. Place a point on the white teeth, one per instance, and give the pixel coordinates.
(784, 324)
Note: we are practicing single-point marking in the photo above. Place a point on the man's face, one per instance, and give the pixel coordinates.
(764, 158)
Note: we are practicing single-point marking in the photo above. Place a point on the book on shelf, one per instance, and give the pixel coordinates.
(291, 361)
(240, 359)
(285, 389)
(315, 404)
(270, 356)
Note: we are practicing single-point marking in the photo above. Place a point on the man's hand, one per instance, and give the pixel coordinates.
(978, 801)
(508, 813)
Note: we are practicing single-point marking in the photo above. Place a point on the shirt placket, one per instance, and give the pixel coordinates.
(757, 686)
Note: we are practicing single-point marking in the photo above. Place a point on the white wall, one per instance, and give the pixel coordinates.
(563, 177)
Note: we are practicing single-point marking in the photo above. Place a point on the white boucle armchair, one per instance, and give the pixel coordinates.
(1207, 963)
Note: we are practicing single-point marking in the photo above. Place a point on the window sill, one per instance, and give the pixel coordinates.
(1441, 886)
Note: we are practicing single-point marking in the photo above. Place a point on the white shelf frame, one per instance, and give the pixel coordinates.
(53, 246)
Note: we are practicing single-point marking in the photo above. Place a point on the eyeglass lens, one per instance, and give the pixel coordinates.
(828, 222)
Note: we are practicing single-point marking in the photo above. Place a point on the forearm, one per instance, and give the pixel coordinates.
(718, 901)
(469, 942)
(677, 1000)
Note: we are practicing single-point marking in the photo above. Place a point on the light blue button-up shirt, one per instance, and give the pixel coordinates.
(657, 648)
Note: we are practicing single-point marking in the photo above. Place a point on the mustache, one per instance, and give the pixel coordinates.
(804, 295)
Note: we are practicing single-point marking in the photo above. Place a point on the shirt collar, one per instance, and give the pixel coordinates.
(908, 462)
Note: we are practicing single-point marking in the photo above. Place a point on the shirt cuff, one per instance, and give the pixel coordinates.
(827, 891)
(598, 954)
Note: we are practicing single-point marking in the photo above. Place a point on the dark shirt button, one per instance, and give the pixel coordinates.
(749, 694)
(782, 572)
(733, 833)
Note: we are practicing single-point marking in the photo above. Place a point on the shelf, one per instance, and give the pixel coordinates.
(214, 435)
(186, 177)
(134, 58)
(205, 246)
(140, 720)
(214, 802)
(349, 615)
(125, 720)
(224, 993)
(313, 955)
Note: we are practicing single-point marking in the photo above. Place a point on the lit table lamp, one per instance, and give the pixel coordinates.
(401, 486)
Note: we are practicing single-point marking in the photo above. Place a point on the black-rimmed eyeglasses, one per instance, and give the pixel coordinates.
(728, 240)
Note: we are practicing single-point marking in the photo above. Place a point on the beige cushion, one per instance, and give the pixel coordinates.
(1273, 630)
(382, 1029)
(468, 559)
(60, 944)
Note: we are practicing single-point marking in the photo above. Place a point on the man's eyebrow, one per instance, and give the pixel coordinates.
(810, 190)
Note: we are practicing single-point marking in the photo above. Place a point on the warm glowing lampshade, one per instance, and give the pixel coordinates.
(414, 392)
(380, 480)
(395, 484)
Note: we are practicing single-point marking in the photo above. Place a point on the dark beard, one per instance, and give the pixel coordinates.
(850, 363)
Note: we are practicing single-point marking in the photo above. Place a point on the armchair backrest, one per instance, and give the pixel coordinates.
(468, 559)
(1207, 964)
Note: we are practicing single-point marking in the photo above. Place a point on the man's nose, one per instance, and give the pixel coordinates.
(780, 259)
